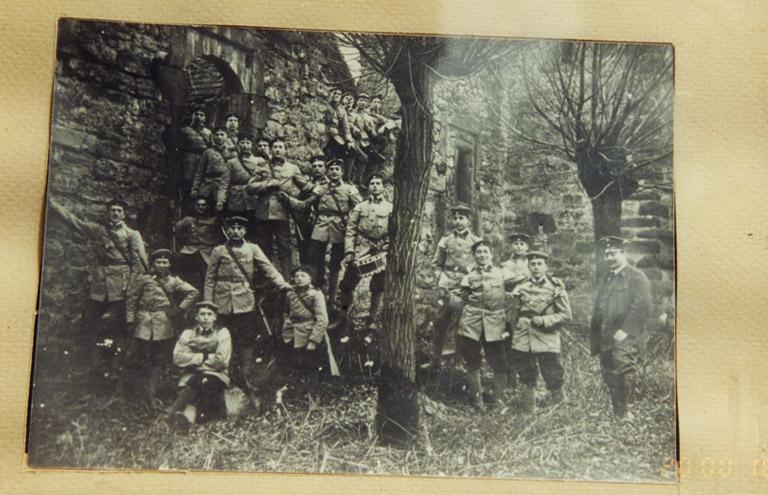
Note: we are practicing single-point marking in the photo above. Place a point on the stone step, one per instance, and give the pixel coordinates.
(640, 221)
(654, 208)
(660, 262)
(666, 236)
(644, 247)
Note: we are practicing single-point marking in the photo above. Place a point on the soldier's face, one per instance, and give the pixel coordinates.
(206, 317)
(198, 117)
(335, 96)
(219, 137)
(537, 266)
(278, 149)
(301, 279)
(483, 255)
(263, 147)
(375, 104)
(162, 266)
(201, 206)
(363, 103)
(232, 123)
(460, 222)
(519, 247)
(245, 146)
(348, 101)
(614, 257)
(116, 213)
(318, 168)
(235, 232)
(376, 187)
(334, 172)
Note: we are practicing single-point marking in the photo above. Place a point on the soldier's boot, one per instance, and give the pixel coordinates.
(528, 399)
(372, 322)
(155, 384)
(619, 397)
(185, 397)
(474, 390)
(340, 327)
(333, 288)
(511, 380)
(499, 386)
(245, 357)
(440, 326)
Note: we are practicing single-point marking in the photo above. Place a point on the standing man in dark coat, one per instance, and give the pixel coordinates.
(619, 319)
(195, 139)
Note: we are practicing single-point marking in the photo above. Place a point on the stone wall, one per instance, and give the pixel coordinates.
(118, 96)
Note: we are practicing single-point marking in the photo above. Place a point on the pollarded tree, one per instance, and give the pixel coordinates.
(605, 107)
(412, 64)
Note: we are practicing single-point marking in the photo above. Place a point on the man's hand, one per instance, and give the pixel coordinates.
(619, 336)
(537, 321)
(311, 346)
(283, 197)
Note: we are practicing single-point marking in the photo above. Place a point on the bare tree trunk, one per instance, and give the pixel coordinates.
(397, 417)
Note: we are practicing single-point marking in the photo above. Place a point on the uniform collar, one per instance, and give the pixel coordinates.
(463, 234)
(540, 281)
(487, 268)
(200, 331)
(278, 160)
(618, 271)
(376, 200)
(116, 225)
(337, 183)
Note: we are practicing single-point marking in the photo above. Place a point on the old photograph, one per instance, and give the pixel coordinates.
(340, 252)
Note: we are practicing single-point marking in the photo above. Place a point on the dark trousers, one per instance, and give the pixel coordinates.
(275, 239)
(618, 366)
(444, 320)
(352, 278)
(191, 268)
(528, 364)
(470, 352)
(145, 353)
(105, 320)
(317, 251)
(208, 396)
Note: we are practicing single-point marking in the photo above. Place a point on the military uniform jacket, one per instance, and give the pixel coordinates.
(337, 123)
(306, 319)
(225, 284)
(368, 227)
(516, 269)
(623, 302)
(453, 257)
(241, 170)
(198, 235)
(211, 176)
(193, 142)
(284, 174)
(229, 150)
(207, 352)
(483, 315)
(333, 204)
(119, 252)
(148, 305)
(545, 297)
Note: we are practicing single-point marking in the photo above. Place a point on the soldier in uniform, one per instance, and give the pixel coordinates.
(242, 168)
(195, 139)
(235, 269)
(339, 141)
(262, 148)
(481, 326)
(120, 256)
(451, 262)
(367, 235)
(271, 214)
(304, 214)
(203, 353)
(155, 309)
(543, 307)
(212, 174)
(516, 270)
(198, 234)
(232, 127)
(619, 319)
(332, 202)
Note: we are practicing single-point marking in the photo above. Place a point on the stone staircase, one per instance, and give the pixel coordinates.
(648, 222)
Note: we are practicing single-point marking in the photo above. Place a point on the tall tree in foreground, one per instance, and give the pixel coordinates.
(412, 64)
(605, 107)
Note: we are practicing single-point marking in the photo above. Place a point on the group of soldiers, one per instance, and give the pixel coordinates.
(273, 252)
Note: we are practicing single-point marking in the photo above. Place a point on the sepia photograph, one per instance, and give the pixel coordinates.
(273, 250)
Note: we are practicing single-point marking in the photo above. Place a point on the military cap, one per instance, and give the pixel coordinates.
(462, 208)
(208, 304)
(612, 242)
(348, 93)
(161, 253)
(117, 202)
(231, 114)
(277, 139)
(315, 158)
(236, 220)
(377, 95)
(197, 108)
(480, 243)
(534, 255)
(263, 138)
(521, 236)
(374, 175)
(244, 137)
(363, 95)
(336, 161)
(304, 268)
